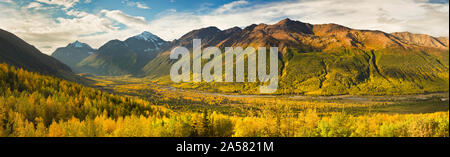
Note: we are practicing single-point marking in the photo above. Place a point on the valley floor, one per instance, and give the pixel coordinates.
(196, 101)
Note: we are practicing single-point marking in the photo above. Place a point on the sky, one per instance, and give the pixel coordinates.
(49, 24)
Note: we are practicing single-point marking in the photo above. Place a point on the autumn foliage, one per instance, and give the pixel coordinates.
(35, 105)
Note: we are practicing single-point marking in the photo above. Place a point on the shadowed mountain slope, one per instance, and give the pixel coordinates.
(16, 52)
(123, 57)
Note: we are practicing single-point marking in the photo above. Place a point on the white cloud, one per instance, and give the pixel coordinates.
(7, 1)
(140, 5)
(76, 13)
(48, 33)
(171, 10)
(34, 5)
(231, 6)
(65, 3)
(119, 16)
(87, 1)
(416, 16)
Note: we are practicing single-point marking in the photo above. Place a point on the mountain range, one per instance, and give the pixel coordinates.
(328, 59)
(314, 59)
(113, 58)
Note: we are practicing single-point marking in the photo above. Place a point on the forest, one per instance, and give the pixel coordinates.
(34, 105)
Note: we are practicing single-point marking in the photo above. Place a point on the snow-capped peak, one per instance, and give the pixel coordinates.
(147, 36)
(78, 44)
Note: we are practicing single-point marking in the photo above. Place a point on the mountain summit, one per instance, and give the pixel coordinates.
(78, 44)
(145, 42)
(73, 53)
(147, 36)
(123, 57)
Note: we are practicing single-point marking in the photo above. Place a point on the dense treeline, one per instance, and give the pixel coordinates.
(186, 100)
(30, 97)
(305, 124)
(36, 105)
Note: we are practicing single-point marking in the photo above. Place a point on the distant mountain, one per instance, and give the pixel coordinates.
(146, 43)
(329, 59)
(73, 53)
(210, 36)
(16, 52)
(123, 57)
(422, 40)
